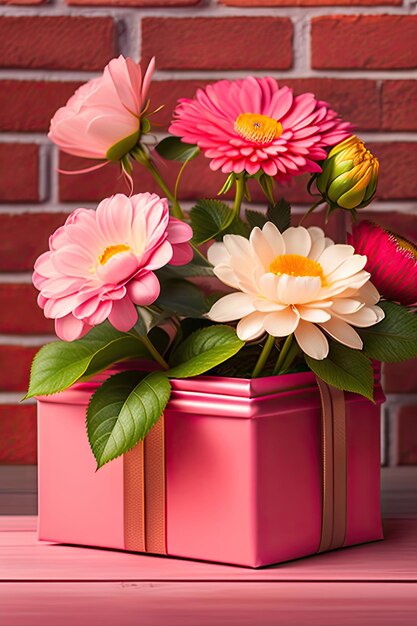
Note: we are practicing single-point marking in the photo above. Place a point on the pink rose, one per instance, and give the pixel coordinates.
(102, 119)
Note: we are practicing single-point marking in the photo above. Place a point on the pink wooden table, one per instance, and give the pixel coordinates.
(54, 585)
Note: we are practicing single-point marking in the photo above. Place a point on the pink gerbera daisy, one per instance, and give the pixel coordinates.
(101, 263)
(254, 125)
(391, 261)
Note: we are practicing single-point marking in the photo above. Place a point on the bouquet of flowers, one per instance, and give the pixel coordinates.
(224, 290)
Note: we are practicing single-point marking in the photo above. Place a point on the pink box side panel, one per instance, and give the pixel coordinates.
(76, 504)
(363, 478)
(210, 488)
(289, 486)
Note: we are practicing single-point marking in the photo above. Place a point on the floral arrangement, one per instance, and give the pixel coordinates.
(220, 291)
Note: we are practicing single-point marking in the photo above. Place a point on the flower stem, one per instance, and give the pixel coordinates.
(239, 194)
(282, 355)
(153, 351)
(292, 354)
(141, 156)
(176, 209)
(310, 210)
(263, 357)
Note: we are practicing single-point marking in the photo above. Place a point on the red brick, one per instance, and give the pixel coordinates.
(64, 42)
(399, 103)
(402, 223)
(18, 438)
(364, 42)
(229, 43)
(15, 362)
(407, 435)
(342, 95)
(19, 172)
(29, 105)
(19, 312)
(25, 237)
(309, 3)
(23, 2)
(400, 377)
(135, 3)
(397, 176)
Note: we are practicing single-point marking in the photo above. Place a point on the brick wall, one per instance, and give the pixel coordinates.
(361, 55)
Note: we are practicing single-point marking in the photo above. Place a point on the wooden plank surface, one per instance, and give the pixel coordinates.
(23, 558)
(208, 604)
(43, 584)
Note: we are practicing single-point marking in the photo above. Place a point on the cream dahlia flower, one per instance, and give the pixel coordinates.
(297, 282)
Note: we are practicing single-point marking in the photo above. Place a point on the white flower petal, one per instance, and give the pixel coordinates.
(251, 326)
(317, 248)
(333, 256)
(348, 268)
(312, 314)
(231, 307)
(268, 286)
(274, 238)
(227, 276)
(297, 240)
(237, 246)
(217, 254)
(281, 323)
(311, 340)
(298, 289)
(369, 293)
(261, 248)
(342, 332)
(346, 306)
(315, 233)
(263, 304)
(366, 316)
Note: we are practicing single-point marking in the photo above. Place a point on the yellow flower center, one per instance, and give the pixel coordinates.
(404, 244)
(257, 128)
(297, 265)
(111, 251)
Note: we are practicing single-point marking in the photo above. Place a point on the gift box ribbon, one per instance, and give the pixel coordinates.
(144, 493)
(334, 467)
(145, 488)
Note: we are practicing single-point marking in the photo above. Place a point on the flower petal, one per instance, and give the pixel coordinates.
(251, 326)
(123, 315)
(69, 328)
(342, 332)
(231, 307)
(282, 323)
(311, 340)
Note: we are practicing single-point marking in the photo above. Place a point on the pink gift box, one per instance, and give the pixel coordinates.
(243, 471)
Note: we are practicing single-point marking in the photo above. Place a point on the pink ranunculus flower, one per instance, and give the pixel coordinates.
(391, 261)
(102, 119)
(253, 124)
(101, 263)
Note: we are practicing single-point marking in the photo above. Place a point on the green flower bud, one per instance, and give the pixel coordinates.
(349, 175)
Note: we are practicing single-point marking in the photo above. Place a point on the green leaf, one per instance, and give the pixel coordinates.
(173, 149)
(230, 180)
(255, 218)
(182, 298)
(209, 218)
(345, 369)
(59, 364)
(394, 338)
(203, 350)
(237, 227)
(280, 215)
(123, 410)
